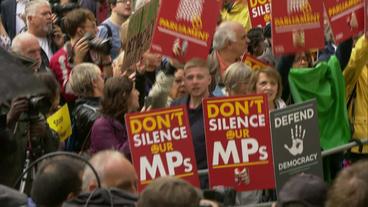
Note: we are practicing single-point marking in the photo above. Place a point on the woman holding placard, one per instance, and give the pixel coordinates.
(267, 80)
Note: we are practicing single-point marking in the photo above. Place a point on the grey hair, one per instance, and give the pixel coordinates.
(160, 90)
(224, 32)
(32, 6)
(99, 162)
(18, 41)
(236, 73)
(82, 77)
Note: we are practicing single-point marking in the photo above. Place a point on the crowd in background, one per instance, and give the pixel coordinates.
(66, 49)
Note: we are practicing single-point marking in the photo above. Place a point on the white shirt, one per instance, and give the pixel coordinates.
(44, 44)
(20, 24)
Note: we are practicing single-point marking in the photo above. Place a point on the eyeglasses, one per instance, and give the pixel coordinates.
(123, 1)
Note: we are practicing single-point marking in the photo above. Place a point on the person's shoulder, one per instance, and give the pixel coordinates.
(60, 53)
(87, 3)
(180, 101)
(102, 120)
(86, 107)
(102, 30)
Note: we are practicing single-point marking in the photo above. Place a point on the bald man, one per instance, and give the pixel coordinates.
(114, 171)
(118, 182)
(27, 45)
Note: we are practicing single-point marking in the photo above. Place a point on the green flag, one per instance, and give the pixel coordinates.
(326, 83)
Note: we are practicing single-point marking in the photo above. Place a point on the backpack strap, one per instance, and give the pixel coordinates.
(109, 31)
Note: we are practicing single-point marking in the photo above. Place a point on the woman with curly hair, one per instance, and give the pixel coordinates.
(109, 131)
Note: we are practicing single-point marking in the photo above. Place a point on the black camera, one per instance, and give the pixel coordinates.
(38, 104)
(99, 45)
(61, 9)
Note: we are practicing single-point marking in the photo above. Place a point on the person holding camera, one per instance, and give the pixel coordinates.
(29, 136)
(80, 26)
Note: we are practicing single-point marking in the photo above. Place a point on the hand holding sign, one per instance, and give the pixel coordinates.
(297, 144)
(353, 22)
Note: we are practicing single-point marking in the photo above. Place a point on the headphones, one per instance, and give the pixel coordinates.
(55, 154)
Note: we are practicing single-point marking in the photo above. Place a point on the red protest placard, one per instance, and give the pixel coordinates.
(253, 62)
(238, 140)
(161, 145)
(343, 13)
(184, 28)
(296, 26)
(260, 12)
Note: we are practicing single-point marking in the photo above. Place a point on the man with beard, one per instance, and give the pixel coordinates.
(39, 23)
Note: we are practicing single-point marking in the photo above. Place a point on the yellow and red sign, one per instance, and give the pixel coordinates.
(161, 145)
(259, 12)
(238, 139)
(346, 18)
(253, 62)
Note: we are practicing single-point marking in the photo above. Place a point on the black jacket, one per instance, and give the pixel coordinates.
(197, 129)
(85, 113)
(11, 197)
(103, 197)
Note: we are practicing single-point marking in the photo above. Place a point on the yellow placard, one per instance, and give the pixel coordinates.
(60, 122)
(253, 62)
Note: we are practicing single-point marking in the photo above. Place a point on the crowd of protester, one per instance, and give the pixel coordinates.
(58, 49)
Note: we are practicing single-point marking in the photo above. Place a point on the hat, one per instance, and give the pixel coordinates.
(309, 190)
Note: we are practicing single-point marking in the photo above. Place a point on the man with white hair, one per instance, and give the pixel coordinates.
(39, 23)
(229, 44)
(26, 45)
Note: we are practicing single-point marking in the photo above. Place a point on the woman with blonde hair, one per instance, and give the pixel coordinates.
(87, 82)
(267, 80)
